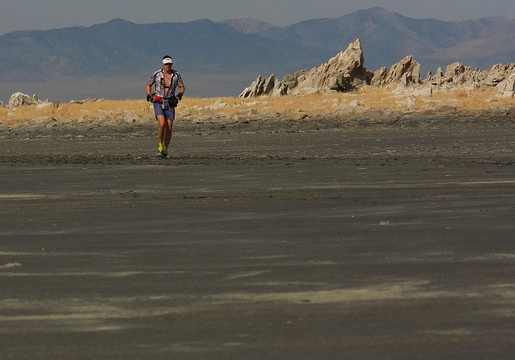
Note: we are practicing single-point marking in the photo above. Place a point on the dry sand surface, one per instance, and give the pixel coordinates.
(334, 229)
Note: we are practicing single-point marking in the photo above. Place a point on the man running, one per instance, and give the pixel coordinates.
(161, 89)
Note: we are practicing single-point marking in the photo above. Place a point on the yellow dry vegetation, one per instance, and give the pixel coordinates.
(318, 104)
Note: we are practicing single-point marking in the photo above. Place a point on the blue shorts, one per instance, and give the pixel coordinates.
(168, 112)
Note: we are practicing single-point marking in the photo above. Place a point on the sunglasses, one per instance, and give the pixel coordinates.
(167, 64)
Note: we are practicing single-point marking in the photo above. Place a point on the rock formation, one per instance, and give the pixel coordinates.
(507, 86)
(260, 87)
(346, 72)
(405, 72)
(20, 99)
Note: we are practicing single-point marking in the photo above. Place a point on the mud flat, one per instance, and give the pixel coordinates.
(285, 240)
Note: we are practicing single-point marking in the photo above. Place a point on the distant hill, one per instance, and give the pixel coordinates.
(388, 37)
(248, 26)
(120, 48)
(114, 59)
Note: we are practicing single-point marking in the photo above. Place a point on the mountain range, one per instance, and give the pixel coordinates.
(114, 59)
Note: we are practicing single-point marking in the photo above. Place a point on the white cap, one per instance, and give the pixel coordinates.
(167, 60)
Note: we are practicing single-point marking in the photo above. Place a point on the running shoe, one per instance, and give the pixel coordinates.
(161, 151)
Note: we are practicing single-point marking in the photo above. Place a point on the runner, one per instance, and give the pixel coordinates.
(161, 89)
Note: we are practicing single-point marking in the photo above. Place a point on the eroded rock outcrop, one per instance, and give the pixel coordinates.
(260, 87)
(506, 88)
(346, 72)
(20, 99)
(406, 72)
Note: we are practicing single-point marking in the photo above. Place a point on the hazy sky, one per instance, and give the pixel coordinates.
(51, 14)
